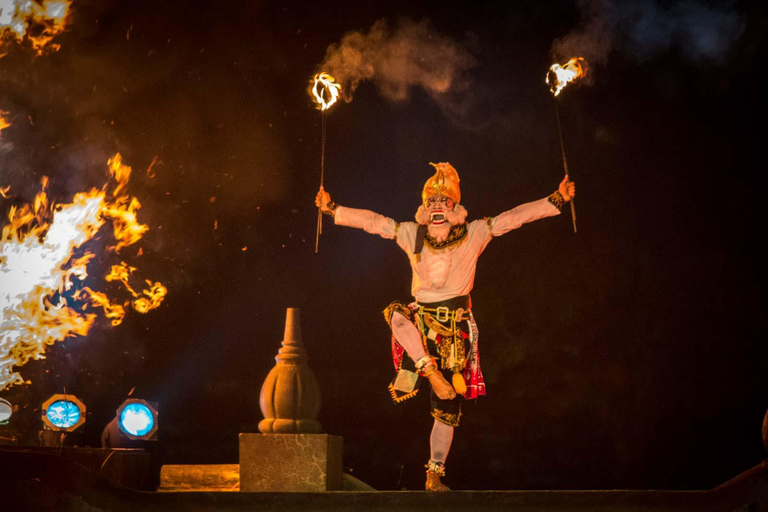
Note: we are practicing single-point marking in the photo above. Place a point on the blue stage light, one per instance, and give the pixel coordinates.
(137, 419)
(63, 412)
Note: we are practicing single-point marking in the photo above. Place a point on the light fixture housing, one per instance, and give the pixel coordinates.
(63, 413)
(6, 411)
(137, 420)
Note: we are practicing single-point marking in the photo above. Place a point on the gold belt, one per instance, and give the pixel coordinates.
(444, 314)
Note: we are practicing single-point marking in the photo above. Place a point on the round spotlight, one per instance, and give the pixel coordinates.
(6, 411)
(63, 412)
(137, 419)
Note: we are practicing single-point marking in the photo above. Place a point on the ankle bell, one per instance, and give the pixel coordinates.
(435, 467)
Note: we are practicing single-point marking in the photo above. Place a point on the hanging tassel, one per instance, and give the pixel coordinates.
(459, 384)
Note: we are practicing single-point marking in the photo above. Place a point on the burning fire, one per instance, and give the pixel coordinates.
(560, 76)
(325, 90)
(44, 261)
(3, 121)
(35, 21)
(146, 300)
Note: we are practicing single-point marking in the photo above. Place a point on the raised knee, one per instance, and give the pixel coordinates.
(398, 320)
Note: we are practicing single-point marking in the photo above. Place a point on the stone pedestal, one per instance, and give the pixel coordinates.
(291, 455)
(290, 462)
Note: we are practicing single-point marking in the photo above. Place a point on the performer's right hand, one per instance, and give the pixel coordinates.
(322, 199)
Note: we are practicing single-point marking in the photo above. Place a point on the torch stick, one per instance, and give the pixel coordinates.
(326, 92)
(322, 178)
(557, 78)
(565, 162)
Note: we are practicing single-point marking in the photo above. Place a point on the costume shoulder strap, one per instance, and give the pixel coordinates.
(421, 233)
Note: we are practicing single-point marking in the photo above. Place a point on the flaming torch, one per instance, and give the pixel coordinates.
(560, 76)
(325, 91)
(557, 78)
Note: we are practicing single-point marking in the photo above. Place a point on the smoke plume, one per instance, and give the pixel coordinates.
(644, 28)
(411, 55)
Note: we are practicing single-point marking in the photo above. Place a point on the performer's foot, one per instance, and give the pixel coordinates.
(434, 484)
(434, 471)
(441, 387)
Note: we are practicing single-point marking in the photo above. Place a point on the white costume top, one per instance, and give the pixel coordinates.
(441, 274)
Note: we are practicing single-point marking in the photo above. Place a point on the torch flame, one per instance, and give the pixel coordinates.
(325, 90)
(560, 76)
(33, 21)
(40, 272)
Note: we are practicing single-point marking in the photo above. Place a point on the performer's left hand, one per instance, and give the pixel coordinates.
(567, 189)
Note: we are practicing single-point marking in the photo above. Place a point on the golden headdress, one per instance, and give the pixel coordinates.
(444, 182)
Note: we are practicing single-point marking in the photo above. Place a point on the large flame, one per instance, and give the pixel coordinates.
(325, 90)
(34, 21)
(44, 262)
(4, 123)
(560, 76)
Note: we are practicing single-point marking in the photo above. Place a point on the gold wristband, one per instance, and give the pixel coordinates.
(331, 209)
(557, 200)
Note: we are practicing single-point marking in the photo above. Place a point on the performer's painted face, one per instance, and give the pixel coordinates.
(436, 207)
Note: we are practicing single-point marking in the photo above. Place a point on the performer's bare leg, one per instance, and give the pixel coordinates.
(440, 445)
(442, 435)
(408, 336)
(440, 442)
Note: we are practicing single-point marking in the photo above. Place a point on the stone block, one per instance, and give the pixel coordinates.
(290, 462)
(199, 477)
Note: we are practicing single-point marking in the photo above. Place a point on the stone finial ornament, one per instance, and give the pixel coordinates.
(290, 395)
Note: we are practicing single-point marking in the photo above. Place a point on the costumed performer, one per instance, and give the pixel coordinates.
(438, 331)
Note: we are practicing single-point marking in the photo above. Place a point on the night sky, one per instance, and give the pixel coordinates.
(630, 355)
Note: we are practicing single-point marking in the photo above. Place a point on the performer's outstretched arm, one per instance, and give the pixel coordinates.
(532, 211)
(367, 220)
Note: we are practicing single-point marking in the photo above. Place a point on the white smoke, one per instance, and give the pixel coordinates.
(411, 55)
(644, 28)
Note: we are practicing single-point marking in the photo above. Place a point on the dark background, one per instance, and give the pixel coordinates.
(629, 355)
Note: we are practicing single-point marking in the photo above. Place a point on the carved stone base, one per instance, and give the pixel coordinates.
(290, 462)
